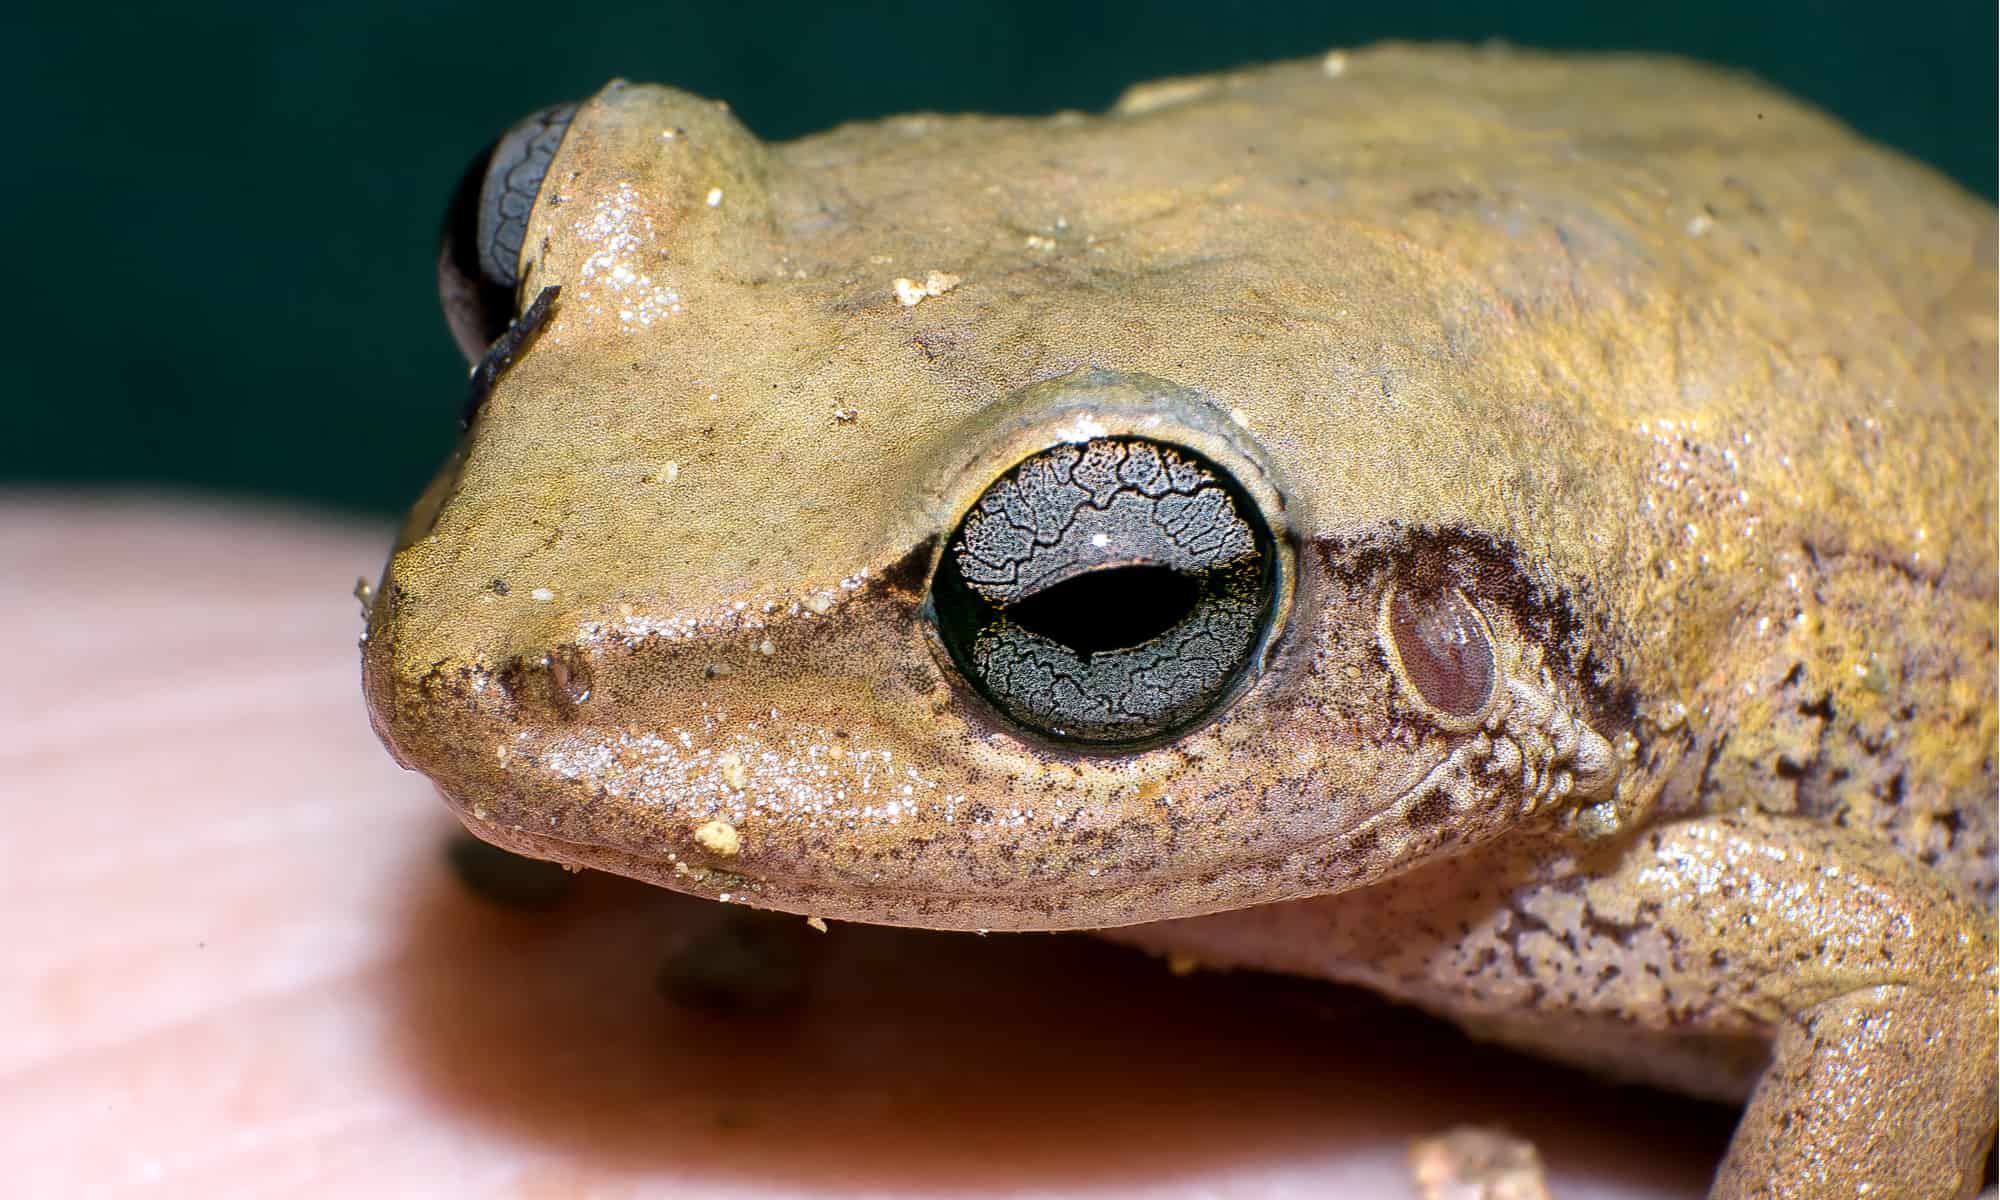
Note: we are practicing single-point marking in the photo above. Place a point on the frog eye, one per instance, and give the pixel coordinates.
(1440, 648)
(479, 249)
(1108, 593)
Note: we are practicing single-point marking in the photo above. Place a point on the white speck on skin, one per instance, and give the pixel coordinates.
(910, 293)
(817, 603)
(734, 774)
(1162, 93)
(1100, 540)
(715, 197)
(541, 595)
(719, 837)
(622, 232)
(766, 648)
(1699, 224)
(1334, 65)
(1081, 429)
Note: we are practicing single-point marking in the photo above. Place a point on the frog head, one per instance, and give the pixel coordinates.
(1006, 523)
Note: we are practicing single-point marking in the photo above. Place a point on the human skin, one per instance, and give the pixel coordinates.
(238, 965)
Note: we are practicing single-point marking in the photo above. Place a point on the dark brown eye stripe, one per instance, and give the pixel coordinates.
(500, 355)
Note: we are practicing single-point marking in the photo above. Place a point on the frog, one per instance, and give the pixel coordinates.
(1511, 530)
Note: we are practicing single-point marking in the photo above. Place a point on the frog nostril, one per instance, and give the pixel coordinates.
(1111, 608)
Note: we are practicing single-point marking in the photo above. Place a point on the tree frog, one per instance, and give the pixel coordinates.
(1515, 531)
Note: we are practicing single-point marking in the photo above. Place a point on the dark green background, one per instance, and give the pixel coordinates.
(223, 216)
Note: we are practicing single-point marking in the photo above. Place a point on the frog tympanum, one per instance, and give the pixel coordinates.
(1513, 531)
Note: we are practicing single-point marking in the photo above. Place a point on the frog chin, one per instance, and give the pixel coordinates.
(1021, 910)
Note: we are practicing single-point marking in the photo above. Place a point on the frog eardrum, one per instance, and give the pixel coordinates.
(1442, 652)
(1107, 593)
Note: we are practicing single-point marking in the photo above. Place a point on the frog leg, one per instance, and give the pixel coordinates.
(1871, 981)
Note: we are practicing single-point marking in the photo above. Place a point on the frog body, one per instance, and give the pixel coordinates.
(1573, 480)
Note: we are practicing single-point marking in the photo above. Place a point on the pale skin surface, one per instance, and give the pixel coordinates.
(1679, 394)
(238, 966)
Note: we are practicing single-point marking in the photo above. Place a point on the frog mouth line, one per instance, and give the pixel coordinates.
(1258, 881)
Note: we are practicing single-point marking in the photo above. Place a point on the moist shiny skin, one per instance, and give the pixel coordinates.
(1624, 435)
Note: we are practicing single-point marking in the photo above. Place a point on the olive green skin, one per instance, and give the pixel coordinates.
(1687, 389)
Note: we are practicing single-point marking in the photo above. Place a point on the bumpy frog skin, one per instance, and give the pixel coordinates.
(1623, 685)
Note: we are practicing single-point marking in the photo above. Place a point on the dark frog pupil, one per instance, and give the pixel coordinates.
(1107, 593)
(1111, 608)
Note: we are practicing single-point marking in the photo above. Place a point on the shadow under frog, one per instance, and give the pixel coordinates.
(921, 1062)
